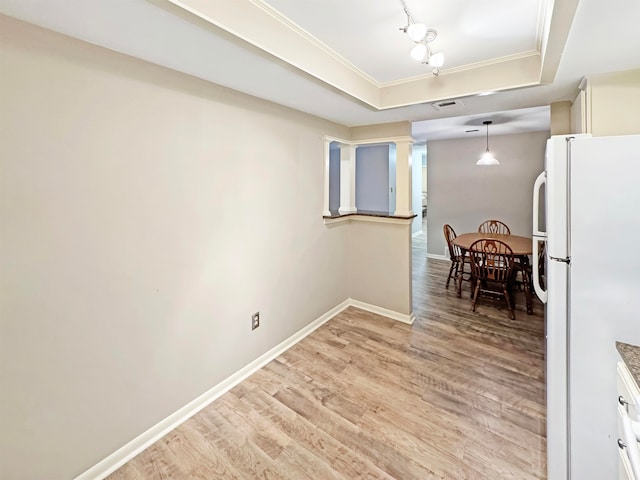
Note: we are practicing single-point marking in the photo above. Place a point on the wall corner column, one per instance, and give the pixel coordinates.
(327, 165)
(404, 179)
(347, 179)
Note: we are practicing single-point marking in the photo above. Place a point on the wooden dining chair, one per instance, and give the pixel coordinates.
(523, 271)
(457, 256)
(494, 226)
(492, 266)
(542, 263)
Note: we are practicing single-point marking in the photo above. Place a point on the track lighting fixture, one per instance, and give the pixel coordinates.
(422, 37)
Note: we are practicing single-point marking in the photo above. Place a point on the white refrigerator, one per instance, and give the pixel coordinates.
(589, 217)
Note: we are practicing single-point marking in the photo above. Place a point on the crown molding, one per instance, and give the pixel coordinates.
(516, 73)
(312, 39)
(274, 34)
(464, 68)
(259, 24)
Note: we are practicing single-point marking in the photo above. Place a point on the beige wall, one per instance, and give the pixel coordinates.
(383, 130)
(608, 105)
(145, 216)
(463, 194)
(560, 118)
(614, 102)
(380, 265)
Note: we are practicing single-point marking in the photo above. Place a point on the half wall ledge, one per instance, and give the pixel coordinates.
(368, 216)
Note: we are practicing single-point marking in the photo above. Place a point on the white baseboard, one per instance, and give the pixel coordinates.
(121, 456)
(419, 232)
(401, 317)
(437, 257)
(146, 439)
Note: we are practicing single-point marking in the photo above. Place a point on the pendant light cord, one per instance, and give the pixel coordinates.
(487, 137)
(487, 123)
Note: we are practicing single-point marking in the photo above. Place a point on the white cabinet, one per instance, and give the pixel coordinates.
(628, 408)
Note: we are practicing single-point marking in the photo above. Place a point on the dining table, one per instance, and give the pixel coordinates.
(522, 248)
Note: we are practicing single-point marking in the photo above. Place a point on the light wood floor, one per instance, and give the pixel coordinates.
(458, 395)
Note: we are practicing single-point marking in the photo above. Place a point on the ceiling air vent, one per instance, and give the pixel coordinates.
(447, 104)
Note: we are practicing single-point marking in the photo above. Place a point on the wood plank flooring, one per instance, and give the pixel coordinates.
(458, 395)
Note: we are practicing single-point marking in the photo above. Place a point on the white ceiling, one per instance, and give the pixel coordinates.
(235, 44)
(367, 32)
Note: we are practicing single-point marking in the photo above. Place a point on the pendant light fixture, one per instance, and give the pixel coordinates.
(487, 157)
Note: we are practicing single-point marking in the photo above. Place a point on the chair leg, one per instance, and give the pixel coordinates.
(527, 291)
(454, 264)
(460, 278)
(474, 297)
(506, 296)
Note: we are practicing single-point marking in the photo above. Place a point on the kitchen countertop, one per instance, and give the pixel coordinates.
(631, 356)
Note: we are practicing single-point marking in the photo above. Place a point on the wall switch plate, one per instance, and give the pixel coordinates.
(255, 320)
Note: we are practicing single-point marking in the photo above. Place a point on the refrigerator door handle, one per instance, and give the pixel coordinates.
(535, 270)
(538, 237)
(540, 181)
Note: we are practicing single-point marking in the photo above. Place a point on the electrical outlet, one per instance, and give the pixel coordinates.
(255, 320)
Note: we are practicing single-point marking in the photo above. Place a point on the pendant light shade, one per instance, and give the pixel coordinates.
(419, 51)
(436, 60)
(416, 31)
(487, 158)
